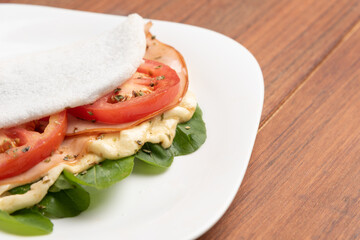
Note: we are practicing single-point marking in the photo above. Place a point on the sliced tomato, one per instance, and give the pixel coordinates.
(157, 51)
(153, 87)
(24, 146)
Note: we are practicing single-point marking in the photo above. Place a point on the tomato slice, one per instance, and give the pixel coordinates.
(25, 146)
(157, 51)
(153, 87)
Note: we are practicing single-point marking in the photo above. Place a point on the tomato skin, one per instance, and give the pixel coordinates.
(34, 146)
(166, 87)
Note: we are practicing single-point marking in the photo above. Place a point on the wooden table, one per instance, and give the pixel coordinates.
(303, 180)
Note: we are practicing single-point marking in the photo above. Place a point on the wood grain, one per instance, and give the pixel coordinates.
(303, 179)
(289, 38)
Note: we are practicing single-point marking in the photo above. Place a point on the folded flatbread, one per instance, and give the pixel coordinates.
(40, 84)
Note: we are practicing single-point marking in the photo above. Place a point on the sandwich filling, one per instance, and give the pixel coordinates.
(91, 150)
(87, 143)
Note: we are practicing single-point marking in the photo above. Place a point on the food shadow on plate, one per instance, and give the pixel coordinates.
(99, 197)
(141, 168)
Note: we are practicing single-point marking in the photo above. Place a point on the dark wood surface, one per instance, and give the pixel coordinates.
(304, 173)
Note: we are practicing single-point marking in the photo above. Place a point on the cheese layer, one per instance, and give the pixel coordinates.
(92, 150)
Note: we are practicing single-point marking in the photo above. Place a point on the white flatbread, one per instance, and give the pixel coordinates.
(38, 85)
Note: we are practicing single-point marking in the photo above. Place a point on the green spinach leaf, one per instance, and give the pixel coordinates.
(20, 189)
(64, 199)
(62, 183)
(155, 155)
(25, 222)
(105, 174)
(189, 137)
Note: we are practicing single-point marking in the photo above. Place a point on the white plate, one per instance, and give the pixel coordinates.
(187, 199)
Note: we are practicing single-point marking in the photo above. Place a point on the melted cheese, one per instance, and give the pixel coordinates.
(90, 150)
